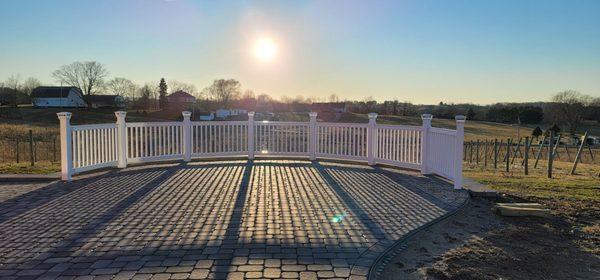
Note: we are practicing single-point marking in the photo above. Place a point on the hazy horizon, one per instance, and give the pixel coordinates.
(423, 52)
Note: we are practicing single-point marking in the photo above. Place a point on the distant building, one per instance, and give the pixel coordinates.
(46, 97)
(206, 116)
(105, 101)
(225, 113)
(181, 97)
(329, 107)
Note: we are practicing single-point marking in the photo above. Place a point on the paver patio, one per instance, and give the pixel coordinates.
(226, 219)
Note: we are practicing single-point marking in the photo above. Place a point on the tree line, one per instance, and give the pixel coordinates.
(566, 109)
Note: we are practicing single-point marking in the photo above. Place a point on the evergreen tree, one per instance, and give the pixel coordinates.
(162, 93)
(470, 114)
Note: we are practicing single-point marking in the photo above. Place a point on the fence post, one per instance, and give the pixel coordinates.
(578, 155)
(477, 153)
(485, 154)
(312, 142)
(187, 136)
(17, 148)
(372, 138)
(66, 160)
(550, 154)
(54, 149)
(539, 154)
(250, 135)
(470, 151)
(508, 147)
(526, 155)
(460, 138)
(31, 154)
(496, 153)
(121, 139)
(425, 143)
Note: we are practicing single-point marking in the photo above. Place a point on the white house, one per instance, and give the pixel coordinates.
(224, 113)
(45, 97)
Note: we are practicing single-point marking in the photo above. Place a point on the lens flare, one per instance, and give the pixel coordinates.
(338, 218)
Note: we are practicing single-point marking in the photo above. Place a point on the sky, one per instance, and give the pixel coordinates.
(421, 51)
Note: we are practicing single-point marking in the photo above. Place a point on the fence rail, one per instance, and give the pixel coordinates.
(431, 150)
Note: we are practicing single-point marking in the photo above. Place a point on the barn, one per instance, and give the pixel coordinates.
(46, 97)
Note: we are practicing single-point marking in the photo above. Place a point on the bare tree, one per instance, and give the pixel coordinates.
(147, 95)
(87, 76)
(224, 91)
(175, 86)
(14, 83)
(122, 87)
(30, 84)
(567, 109)
(334, 98)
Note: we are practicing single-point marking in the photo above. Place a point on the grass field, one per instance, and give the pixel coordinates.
(562, 190)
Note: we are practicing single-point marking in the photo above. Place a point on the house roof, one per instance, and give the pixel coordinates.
(52, 92)
(180, 94)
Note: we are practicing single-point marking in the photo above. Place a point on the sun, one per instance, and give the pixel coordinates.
(265, 49)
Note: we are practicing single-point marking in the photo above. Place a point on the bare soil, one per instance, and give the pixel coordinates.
(476, 243)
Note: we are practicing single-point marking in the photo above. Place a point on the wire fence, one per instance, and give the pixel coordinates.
(29, 146)
(506, 154)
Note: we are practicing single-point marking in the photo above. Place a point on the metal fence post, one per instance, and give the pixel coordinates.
(460, 138)
(312, 143)
(66, 160)
(372, 138)
(250, 135)
(121, 139)
(187, 136)
(426, 118)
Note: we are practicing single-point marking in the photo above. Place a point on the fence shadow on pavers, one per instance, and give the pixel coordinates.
(35, 198)
(49, 230)
(262, 218)
(430, 187)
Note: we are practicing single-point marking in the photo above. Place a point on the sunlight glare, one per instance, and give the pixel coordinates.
(265, 49)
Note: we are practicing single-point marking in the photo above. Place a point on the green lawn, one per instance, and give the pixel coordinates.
(26, 168)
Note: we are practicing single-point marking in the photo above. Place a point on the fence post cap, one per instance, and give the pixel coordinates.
(460, 118)
(426, 116)
(250, 114)
(372, 115)
(64, 115)
(186, 113)
(312, 114)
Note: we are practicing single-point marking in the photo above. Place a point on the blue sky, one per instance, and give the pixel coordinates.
(419, 51)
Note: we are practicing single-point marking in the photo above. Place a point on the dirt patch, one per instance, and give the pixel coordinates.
(478, 244)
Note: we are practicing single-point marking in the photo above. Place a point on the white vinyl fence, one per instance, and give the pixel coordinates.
(429, 149)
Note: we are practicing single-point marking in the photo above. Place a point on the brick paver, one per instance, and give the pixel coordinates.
(266, 219)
